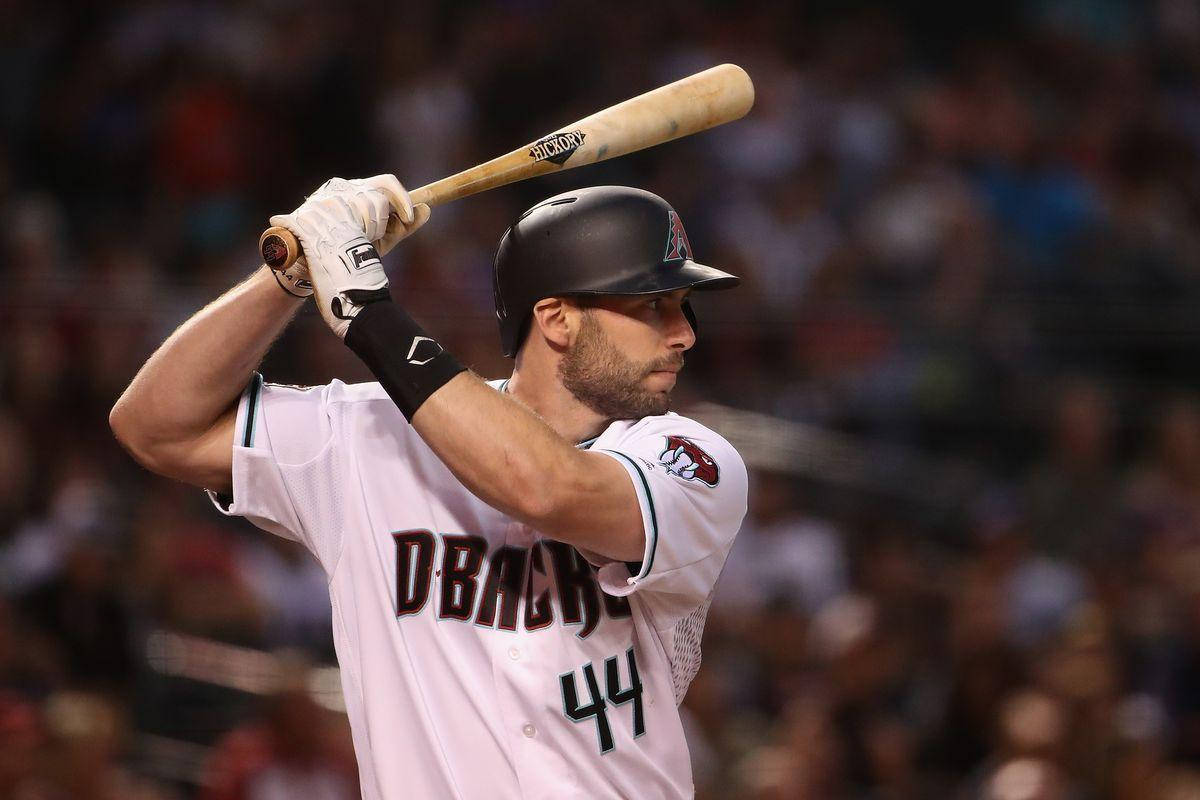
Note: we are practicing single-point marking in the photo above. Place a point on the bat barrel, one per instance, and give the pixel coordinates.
(695, 103)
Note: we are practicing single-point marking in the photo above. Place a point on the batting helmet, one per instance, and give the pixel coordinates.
(594, 241)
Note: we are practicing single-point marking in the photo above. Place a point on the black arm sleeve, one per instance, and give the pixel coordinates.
(409, 364)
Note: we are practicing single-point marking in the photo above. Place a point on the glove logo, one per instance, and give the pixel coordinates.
(678, 246)
(422, 351)
(557, 147)
(363, 255)
(684, 458)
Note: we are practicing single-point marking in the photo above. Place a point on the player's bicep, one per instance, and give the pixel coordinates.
(214, 454)
(205, 460)
(599, 510)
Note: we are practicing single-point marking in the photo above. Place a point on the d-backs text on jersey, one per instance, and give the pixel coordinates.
(516, 589)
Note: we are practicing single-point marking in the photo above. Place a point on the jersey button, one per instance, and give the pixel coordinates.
(529, 731)
(514, 653)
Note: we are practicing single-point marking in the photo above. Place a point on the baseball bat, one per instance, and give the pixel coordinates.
(695, 103)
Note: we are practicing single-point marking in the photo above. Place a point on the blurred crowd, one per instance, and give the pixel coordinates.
(968, 236)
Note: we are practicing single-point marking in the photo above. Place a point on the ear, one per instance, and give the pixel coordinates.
(556, 319)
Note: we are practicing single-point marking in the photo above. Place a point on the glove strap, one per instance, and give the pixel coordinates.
(350, 303)
(409, 364)
(296, 288)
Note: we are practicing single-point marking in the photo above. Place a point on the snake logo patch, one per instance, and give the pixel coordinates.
(678, 246)
(684, 458)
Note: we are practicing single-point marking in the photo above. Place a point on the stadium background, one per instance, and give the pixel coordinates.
(961, 366)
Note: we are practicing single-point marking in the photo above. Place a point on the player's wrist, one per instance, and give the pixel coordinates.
(293, 281)
(409, 364)
(265, 277)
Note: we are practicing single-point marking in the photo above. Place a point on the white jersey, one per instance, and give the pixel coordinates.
(479, 658)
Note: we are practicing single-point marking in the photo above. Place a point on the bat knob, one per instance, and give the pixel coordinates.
(279, 248)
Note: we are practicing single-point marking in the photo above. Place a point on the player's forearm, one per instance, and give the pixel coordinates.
(197, 374)
(500, 450)
(512, 460)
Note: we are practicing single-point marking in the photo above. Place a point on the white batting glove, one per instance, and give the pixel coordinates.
(381, 224)
(337, 226)
(382, 205)
(295, 279)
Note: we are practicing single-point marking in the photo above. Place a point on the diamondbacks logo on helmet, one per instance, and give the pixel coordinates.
(678, 246)
(684, 458)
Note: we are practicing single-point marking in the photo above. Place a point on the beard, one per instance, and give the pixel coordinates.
(601, 377)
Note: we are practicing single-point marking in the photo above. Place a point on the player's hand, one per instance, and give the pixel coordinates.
(382, 224)
(337, 226)
(382, 206)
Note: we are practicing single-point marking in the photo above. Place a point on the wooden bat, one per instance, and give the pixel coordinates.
(693, 104)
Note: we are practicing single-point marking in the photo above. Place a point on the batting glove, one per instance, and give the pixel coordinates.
(295, 279)
(343, 227)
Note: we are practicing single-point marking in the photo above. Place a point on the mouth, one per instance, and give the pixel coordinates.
(670, 375)
(665, 379)
(671, 367)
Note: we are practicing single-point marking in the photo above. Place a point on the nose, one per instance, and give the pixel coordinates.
(680, 334)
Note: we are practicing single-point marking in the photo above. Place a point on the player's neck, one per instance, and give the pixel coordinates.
(536, 385)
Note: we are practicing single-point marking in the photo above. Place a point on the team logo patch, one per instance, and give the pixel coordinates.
(557, 147)
(678, 246)
(684, 458)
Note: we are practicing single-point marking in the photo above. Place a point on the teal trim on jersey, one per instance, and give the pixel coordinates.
(254, 389)
(648, 564)
(503, 388)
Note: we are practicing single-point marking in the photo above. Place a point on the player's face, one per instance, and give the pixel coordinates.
(628, 352)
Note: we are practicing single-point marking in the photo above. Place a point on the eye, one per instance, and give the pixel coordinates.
(655, 303)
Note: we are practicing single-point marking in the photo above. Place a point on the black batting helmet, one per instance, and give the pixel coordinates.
(599, 240)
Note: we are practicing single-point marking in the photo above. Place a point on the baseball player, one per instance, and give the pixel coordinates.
(519, 571)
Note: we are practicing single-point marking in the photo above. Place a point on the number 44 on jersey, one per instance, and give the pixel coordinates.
(613, 695)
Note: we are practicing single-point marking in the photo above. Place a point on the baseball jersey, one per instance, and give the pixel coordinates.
(479, 658)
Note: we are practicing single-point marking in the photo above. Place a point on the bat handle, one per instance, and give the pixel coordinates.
(279, 248)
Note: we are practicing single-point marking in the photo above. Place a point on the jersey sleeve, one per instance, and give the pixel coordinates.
(286, 466)
(691, 485)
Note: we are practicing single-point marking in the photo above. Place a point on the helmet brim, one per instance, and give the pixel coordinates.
(688, 275)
